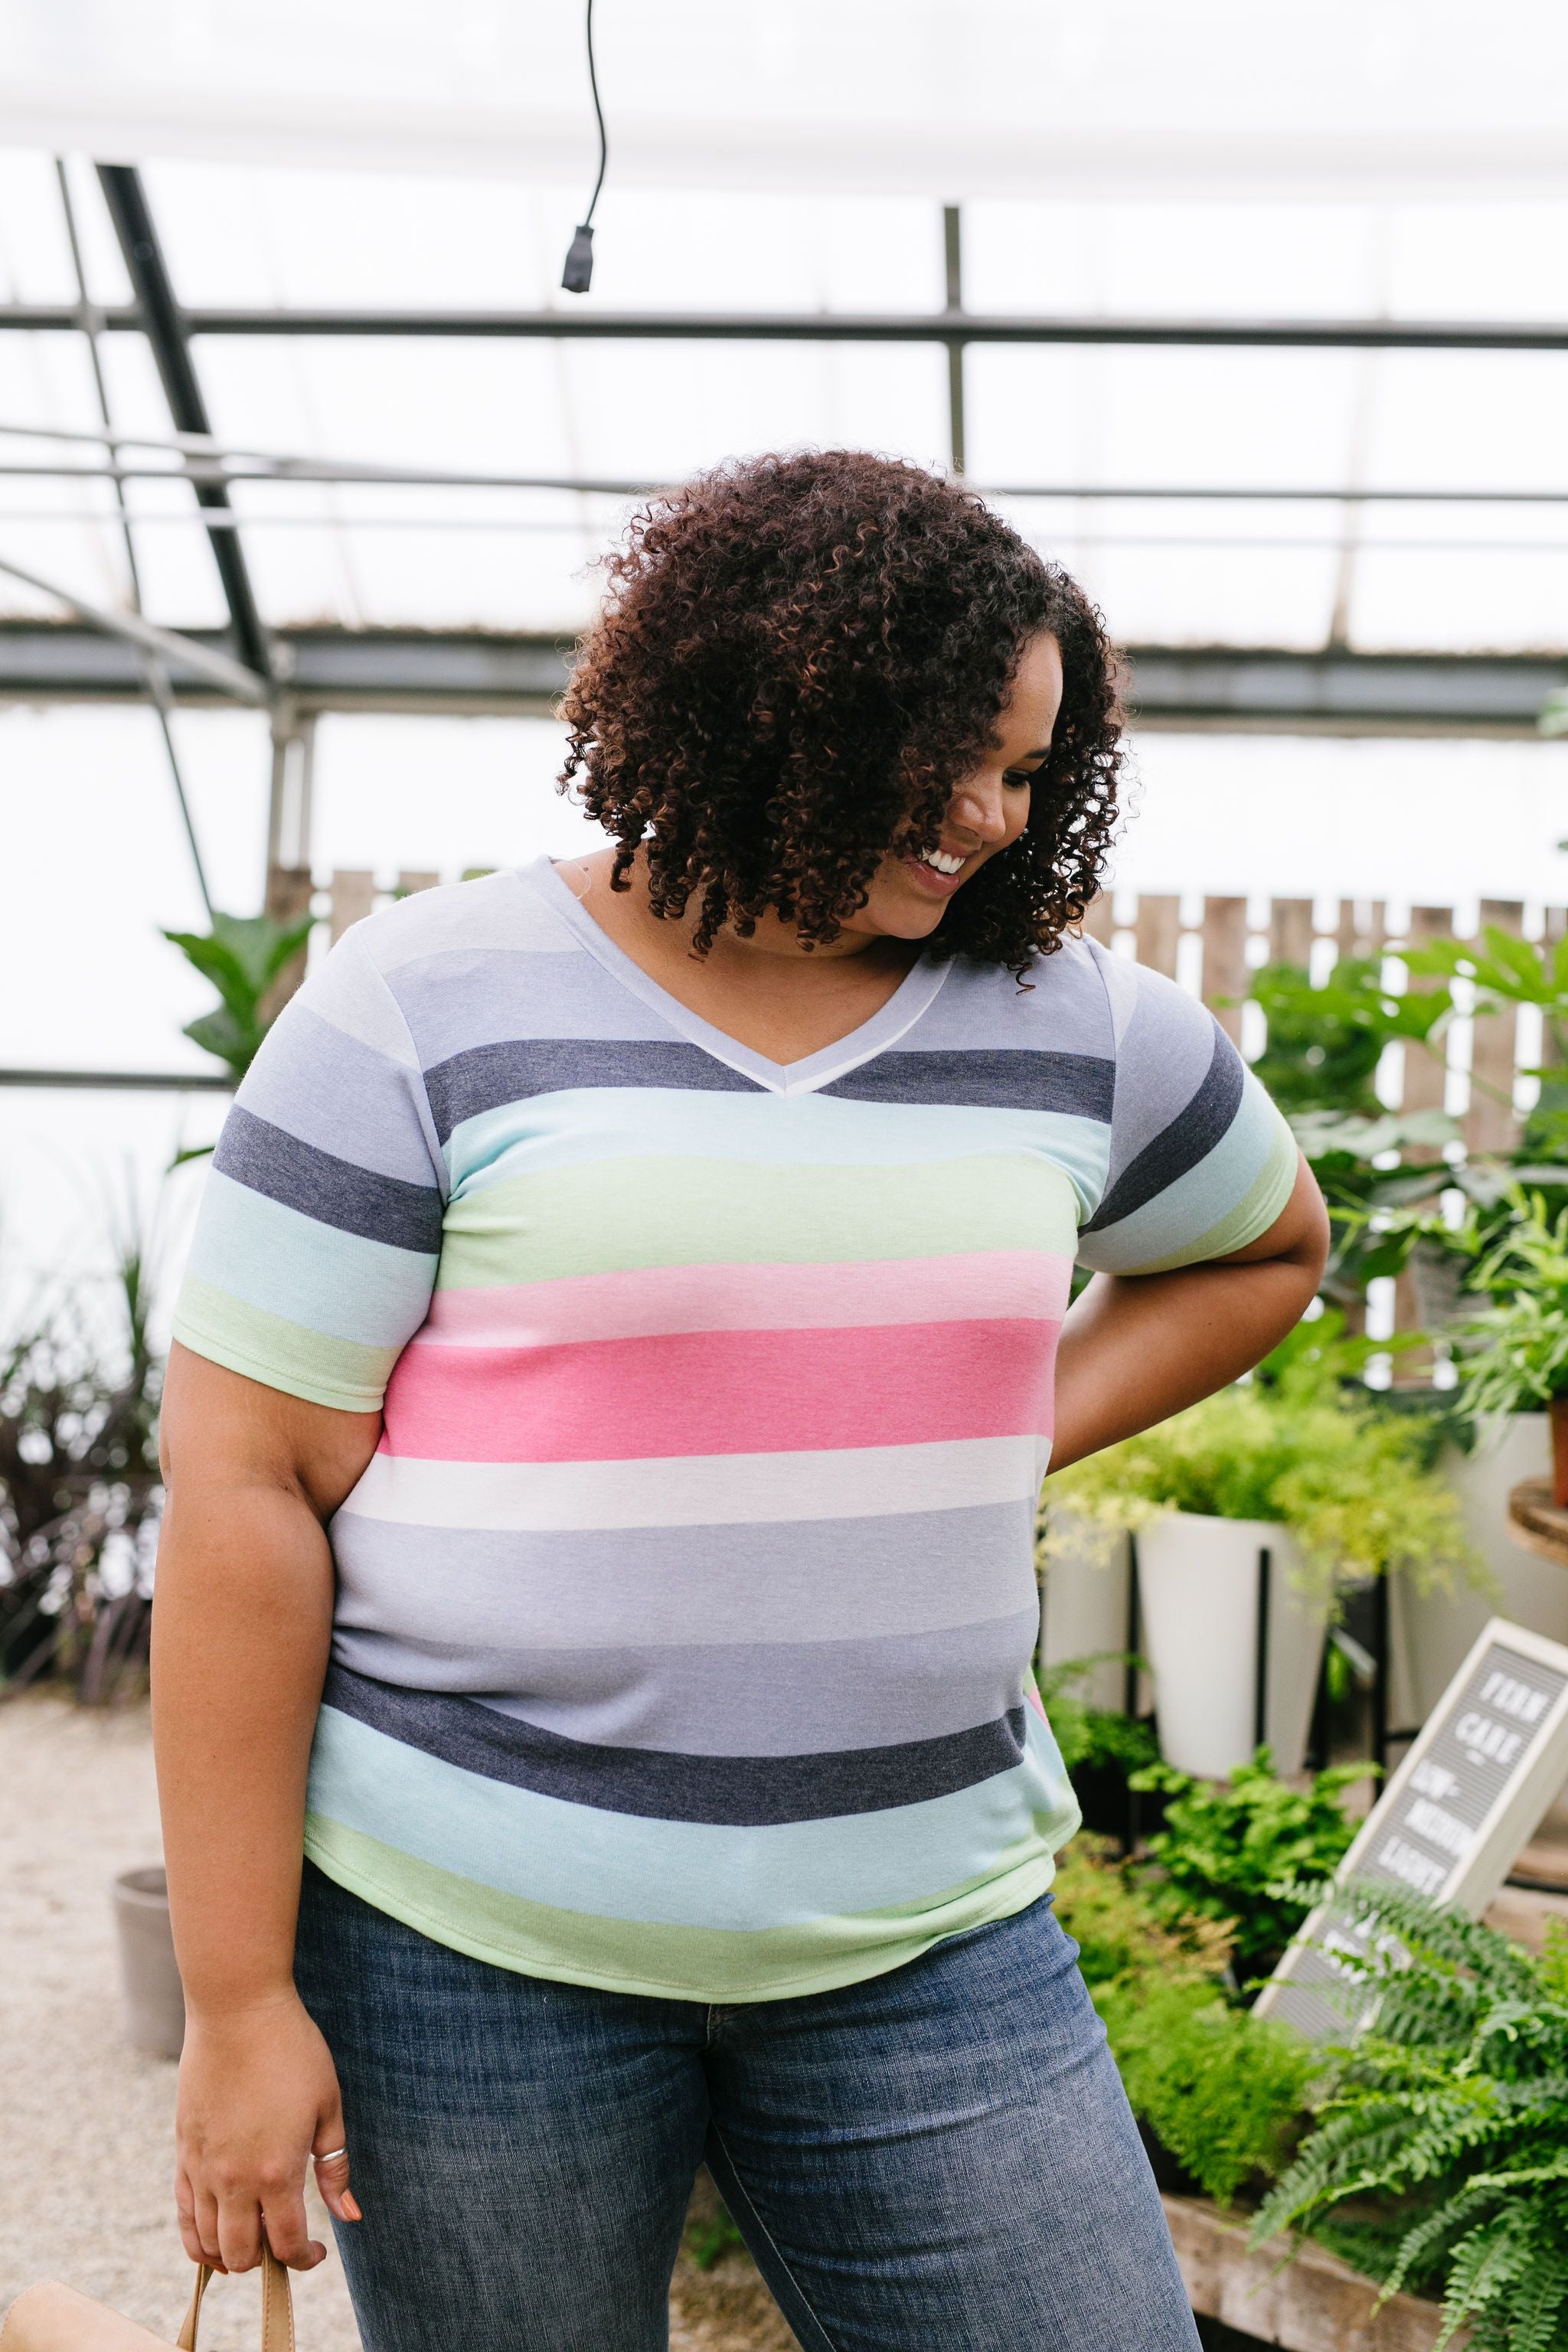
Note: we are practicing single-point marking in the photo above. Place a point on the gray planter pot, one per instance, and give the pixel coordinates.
(149, 1977)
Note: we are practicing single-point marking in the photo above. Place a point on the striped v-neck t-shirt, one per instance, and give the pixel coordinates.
(685, 1612)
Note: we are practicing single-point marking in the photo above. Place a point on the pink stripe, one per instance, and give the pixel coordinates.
(660, 1299)
(723, 1393)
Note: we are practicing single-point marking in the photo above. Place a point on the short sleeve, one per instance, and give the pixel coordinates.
(1201, 1161)
(316, 1248)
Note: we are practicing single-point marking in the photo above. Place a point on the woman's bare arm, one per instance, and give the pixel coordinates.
(1137, 1347)
(241, 1625)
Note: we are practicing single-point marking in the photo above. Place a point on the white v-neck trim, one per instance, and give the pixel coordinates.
(915, 992)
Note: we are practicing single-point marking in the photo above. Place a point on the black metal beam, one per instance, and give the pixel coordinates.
(167, 331)
(812, 327)
(476, 671)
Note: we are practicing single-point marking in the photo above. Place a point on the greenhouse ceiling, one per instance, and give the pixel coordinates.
(1274, 356)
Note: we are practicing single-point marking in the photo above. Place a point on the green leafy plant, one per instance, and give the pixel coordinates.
(80, 1495)
(1239, 1850)
(1382, 1173)
(1324, 1043)
(1223, 2092)
(1123, 1932)
(242, 956)
(1450, 2111)
(1093, 1737)
(1350, 1480)
(1514, 1352)
(1505, 971)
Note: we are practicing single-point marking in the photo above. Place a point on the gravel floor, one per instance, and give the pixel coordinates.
(85, 2154)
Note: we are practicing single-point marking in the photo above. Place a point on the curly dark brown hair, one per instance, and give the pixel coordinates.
(798, 659)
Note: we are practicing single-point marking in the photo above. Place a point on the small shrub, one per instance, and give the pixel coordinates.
(1237, 1850)
(1221, 2090)
(1225, 2091)
(1350, 1480)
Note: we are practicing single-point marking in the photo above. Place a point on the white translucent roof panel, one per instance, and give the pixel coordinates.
(1486, 258)
(639, 411)
(1476, 420)
(1205, 419)
(58, 528)
(380, 558)
(1174, 572)
(997, 97)
(1181, 419)
(633, 412)
(35, 253)
(326, 238)
(1461, 580)
(1097, 257)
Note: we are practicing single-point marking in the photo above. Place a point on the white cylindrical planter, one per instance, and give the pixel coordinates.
(1083, 1611)
(150, 1976)
(1200, 1587)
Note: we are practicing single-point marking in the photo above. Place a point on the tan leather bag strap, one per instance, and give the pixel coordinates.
(276, 2306)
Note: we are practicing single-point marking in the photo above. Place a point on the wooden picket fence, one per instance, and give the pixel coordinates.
(1214, 944)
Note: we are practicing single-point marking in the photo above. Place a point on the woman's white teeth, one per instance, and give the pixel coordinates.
(944, 863)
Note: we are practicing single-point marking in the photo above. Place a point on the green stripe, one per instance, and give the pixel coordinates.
(607, 1216)
(1252, 1215)
(666, 1963)
(343, 1373)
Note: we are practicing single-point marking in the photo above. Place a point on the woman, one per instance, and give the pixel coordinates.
(641, 1280)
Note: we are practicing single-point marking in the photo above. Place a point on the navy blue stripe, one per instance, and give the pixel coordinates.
(991, 1078)
(732, 1791)
(1191, 1137)
(486, 1077)
(336, 1193)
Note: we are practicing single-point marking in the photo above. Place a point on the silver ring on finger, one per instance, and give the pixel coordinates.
(330, 2157)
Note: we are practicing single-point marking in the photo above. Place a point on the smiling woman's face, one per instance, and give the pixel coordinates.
(989, 808)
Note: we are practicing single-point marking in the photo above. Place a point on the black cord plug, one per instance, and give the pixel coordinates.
(578, 273)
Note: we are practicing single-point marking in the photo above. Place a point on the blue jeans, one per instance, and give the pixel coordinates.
(938, 2160)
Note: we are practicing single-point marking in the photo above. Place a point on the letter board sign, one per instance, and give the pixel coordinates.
(1471, 1792)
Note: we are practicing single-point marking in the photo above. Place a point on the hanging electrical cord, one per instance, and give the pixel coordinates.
(578, 273)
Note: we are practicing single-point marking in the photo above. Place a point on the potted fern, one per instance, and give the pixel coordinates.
(1296, 1464)
(1439, 2162)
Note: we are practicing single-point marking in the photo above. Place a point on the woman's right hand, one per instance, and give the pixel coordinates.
(258, 2098)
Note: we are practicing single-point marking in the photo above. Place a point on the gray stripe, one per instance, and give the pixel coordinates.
(730, 1791)
(492, 1074)
(494, 1599)
(455, 1001)
(1063, 1007)
(1162, 1056)
(334, 1192)
(1082, 1085)
(753, 1698)
(315, 1081)
(1190, 1137)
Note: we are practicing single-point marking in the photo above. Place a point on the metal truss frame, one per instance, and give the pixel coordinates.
(478, 673)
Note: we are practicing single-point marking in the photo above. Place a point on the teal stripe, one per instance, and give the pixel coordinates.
(289, 1266)
(559, 1130)
(618, 1865)
(1196, 1201)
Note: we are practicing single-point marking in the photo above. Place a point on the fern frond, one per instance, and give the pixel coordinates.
(1543, 2297)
